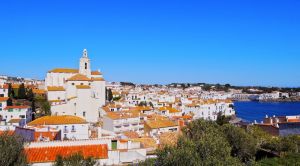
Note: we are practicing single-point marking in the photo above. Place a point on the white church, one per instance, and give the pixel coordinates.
(76, 92)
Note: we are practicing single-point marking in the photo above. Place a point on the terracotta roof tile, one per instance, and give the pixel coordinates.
(79, 77)
(160, 123)
(3, 99)
(55, 88)
(97, 79)
(57, 120)
(49, 154)
(96, 73)
(63, 70)
(38, 91)
(16, 107)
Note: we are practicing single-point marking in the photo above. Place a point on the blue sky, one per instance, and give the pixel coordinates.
(242, 42)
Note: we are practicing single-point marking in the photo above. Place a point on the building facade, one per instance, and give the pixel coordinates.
(79, 92)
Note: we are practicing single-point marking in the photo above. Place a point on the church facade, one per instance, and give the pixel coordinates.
(79, 92)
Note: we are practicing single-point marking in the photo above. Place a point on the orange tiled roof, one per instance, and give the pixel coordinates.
(49, 154)
(5, 86)
(293, 120)
(63, 70)
(141, 108)
(131, 134)
(83, 87)
(38, 91)
(160, 123)
(147, 142)
(57, 120)
(55, 88)
(16, 107)
(79, 77)
(3, 99)
(8, 132)
(96, 73)
(171, 110)
(123, 115)
(168, 138)
(97, 79)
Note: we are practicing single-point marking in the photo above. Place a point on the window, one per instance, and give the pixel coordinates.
(85, 65)
(114, 144)
(81, 83)
(83, 114)
(73, 83)
(22, 116)
(73, 128)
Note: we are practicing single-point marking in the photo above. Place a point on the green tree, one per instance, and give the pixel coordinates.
(243, 145)
(289, 159)
(12, 151)
(202, 143)
(151, 104)
(206, 87)
(222, 119)
(142, 103)
(33, 109)
(10, 92)
(46, 108)
(9, 102)
(109, 95)
(75, 159)
(30, 95)
(22, 92)
(116, 98)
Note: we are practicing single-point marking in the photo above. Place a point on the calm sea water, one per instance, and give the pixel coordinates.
(251, 111)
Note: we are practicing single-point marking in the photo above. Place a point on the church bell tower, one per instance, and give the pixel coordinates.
(85, 64)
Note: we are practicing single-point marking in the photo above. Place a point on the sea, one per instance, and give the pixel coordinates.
(254, 110)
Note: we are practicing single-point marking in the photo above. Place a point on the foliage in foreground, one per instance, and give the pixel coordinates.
(289, 159)
(209, 143)
(11, 153)
(74, 160)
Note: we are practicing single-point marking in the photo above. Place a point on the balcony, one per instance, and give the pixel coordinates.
(66, 130)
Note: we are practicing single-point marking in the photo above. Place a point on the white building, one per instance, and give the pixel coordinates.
(76, 92)
(123, 121)
(4, 90)
(16, 112)
(155, 127)
(209, 110)
(274, 95)
(104, 151)
(71, 127)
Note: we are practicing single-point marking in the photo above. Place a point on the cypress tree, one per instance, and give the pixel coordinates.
(22, 92)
